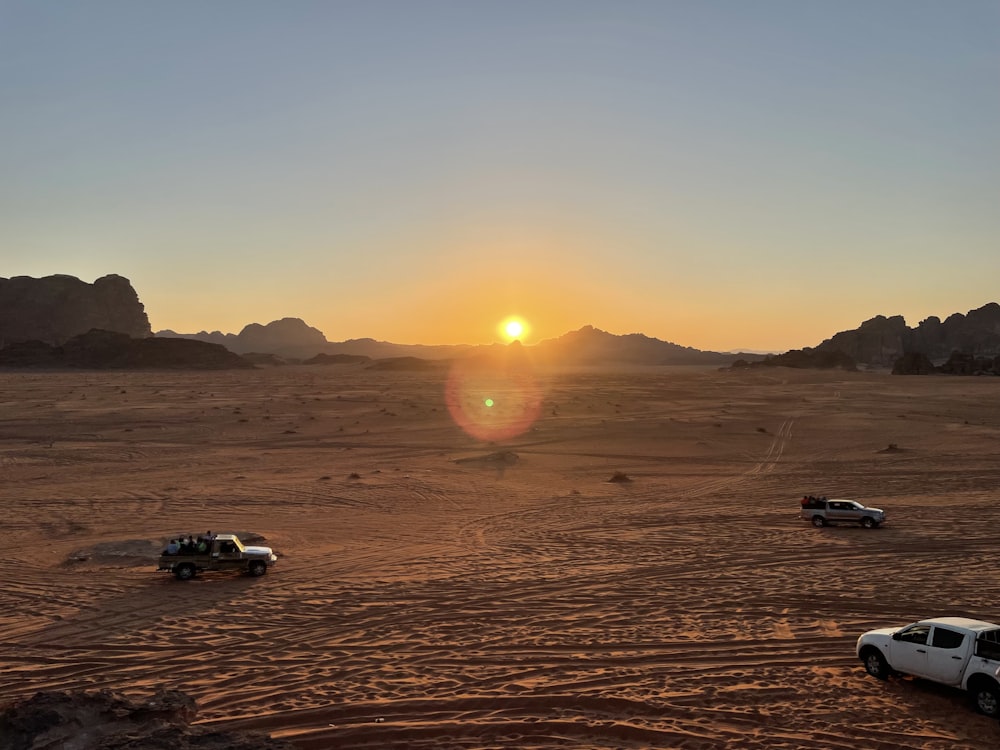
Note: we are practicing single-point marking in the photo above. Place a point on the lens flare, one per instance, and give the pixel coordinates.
(495, 398)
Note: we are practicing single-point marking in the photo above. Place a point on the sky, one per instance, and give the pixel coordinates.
(726, 175)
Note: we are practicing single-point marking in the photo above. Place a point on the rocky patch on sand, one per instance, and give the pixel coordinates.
(106, 720)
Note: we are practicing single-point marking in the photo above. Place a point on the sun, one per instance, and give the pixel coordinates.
(513, 329)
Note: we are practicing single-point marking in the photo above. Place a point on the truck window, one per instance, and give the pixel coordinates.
(987, 646)
(916, 634)
(944, 638)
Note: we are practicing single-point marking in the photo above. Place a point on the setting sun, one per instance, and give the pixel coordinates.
(513, 328)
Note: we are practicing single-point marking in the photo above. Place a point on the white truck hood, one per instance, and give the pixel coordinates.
(882, 631)
(258, 550)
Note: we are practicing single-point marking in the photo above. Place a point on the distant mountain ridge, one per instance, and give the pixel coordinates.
(293, 338)
(878, 342)
(55, 309)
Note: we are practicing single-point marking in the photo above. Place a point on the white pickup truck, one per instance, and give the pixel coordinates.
(956, 651)
(221, 552)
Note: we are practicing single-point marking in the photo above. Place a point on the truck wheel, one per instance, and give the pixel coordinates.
(184, 572)
(986, 698)
(875, 663)
(819, 522)
(868, 522)
(257, 568)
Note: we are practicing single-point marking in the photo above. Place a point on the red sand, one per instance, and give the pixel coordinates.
(463, 594)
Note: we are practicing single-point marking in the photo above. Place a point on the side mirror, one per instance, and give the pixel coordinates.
(897, 636)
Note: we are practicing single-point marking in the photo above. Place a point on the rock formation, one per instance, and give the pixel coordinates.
(913, 363)
(960, 363)
(811, 359)
(288, 337)
(104, 720)
(54, 309)
(881, 341)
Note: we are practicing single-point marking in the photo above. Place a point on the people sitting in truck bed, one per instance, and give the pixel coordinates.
(811, 501)
(188, 545)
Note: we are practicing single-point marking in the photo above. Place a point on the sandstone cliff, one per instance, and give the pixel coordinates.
(54, 309)
(882, 341)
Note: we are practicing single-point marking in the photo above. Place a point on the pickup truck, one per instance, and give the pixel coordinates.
(956, 651)
(225, 552)
(822, 512)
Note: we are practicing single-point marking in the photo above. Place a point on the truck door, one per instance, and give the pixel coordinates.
(837, 511)
(226, 555)
(909, 650)
(947, 655)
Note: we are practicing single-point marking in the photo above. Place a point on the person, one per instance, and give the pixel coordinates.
(173, 548)
(805, 500)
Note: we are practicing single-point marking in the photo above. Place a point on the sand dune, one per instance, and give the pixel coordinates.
(437, 590)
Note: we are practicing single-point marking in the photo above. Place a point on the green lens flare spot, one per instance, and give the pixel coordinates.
(488, 402)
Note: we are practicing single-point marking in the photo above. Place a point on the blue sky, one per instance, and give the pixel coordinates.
(722, 175)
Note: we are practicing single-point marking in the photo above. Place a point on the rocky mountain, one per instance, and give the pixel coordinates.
(881, 341)
(288, 337)
(590, 345)
(54, 309)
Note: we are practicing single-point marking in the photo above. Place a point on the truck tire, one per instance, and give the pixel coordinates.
(868, 522)
(985, 695)
(875, 663)
(184, 572)
(257, 568)
(819, 522)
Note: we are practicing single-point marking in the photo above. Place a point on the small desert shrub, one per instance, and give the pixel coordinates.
(620, 476)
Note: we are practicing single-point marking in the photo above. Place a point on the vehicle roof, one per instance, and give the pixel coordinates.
(962, 622)
(226, 537)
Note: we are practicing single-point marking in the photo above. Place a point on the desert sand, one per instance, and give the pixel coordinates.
(441, 587)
